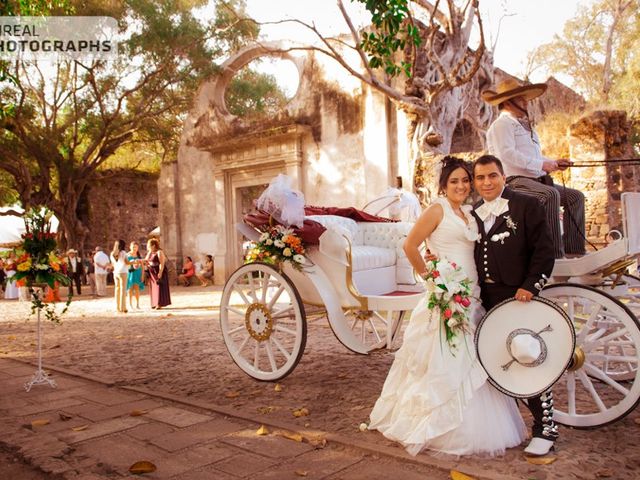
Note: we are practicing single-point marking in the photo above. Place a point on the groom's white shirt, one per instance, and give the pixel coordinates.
(489, 211)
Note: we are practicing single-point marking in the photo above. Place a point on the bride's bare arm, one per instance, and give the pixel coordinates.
(425, 225)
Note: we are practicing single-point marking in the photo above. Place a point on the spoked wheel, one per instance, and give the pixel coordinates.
(263, 322)
(370, 326)
(603, 384)
(626, 289)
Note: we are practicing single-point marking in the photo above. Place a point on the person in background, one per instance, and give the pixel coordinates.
(156, 262)
(134, 278)
(2, 275)
(75, 271)
(91, 273)
(513, 140)
(188, 271)
(102, 263)
(11, 290)
(206, 273)
(120, 272)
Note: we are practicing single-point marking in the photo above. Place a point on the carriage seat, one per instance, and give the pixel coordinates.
(378, 262)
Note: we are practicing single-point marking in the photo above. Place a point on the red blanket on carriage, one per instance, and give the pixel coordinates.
(311, 231)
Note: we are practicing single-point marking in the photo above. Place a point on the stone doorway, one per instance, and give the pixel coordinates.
(245, 199)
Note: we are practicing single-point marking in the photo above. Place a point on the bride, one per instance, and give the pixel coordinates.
(433, 398)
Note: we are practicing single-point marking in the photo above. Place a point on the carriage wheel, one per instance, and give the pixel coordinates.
(626, 289)
(263, 322)
(603, 385)
(370, 326)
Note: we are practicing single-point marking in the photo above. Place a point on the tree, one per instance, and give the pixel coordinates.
(252, 93)
(598, 49)
(67, 122)
(428, 45)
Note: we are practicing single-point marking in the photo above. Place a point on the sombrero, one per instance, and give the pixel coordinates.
(525, 347)
(511, 88)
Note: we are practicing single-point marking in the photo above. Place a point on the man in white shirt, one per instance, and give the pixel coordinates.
(512, 139)
(102, 262)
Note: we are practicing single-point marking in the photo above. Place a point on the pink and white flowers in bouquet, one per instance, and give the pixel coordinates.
(449, 291)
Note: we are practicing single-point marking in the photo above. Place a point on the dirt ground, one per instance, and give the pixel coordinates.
(180, 351)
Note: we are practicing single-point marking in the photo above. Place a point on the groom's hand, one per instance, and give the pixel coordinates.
(523, 295)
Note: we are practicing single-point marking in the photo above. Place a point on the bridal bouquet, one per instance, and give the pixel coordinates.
(449, 290)
(277, 245)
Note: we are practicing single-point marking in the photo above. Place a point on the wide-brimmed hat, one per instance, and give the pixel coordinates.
(511, 88)
(525, 347)
(71, 250)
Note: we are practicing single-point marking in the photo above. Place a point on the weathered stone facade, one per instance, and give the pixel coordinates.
(337, 139)
(597, 137)
(120, 205)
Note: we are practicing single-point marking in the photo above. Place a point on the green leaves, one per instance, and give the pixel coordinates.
(393, 32)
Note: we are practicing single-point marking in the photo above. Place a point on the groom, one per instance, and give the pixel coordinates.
(514, 251)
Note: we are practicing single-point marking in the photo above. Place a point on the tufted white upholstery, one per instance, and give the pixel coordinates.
(378, 262)
(344, 225)
(364, 257)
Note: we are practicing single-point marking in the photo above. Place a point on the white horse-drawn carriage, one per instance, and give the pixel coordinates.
(359, 277)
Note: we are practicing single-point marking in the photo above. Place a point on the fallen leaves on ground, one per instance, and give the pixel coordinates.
(137, 413)
(40, 422)
(318, 442)
(141, 467)
(232, 394)
(80, 428)
(266, 410)
(55, 346)
(278, 387)
(262, 430)
(64, 417)
(296, 437)
(301, 473)
(301, 412)
(456, 475)
(541, 460)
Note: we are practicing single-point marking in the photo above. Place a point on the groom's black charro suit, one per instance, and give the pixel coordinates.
(506, 263)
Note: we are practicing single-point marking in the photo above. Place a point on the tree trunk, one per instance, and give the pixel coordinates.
(72, 231)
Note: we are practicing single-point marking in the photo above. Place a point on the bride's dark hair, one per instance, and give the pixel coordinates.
(449, 164)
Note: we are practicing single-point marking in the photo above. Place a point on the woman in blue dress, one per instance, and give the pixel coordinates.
(134, 279)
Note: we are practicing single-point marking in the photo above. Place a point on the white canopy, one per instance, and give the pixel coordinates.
(12, 227)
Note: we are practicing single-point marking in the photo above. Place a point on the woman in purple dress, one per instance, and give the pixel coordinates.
(156, 262)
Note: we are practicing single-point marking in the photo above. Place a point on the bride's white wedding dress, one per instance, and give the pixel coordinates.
(436, 400)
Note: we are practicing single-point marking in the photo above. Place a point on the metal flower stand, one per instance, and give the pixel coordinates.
(40, 377)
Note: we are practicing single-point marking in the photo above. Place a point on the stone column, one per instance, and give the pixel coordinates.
(170, 222)
(220, 263)
(598, 137)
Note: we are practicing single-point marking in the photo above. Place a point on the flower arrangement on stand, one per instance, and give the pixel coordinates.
(449, 290)
(37, 267)
(276, 246)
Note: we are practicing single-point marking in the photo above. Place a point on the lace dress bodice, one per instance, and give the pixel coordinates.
(454, 239)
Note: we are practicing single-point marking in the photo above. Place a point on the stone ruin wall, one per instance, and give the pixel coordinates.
(603, 135)
(120, 205)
